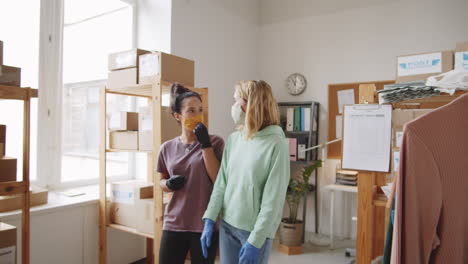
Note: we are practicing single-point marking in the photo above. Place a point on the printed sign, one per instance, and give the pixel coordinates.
(420, 64)
(461, 60)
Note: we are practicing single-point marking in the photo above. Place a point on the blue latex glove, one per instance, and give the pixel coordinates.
(248, 254)
(206, 236)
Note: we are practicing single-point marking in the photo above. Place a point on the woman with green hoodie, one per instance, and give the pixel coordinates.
(251, 185)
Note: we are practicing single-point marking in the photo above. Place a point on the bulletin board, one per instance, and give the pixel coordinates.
(334, 150)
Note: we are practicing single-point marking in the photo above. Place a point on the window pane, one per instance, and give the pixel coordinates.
(20, 50)
(87, 44)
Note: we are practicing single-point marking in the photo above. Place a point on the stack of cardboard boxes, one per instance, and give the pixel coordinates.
(131, 202)
(8, 75)
(421, 66)
(131, 130)
(8, 169)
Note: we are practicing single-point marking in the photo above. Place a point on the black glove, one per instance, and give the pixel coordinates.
(176, 182)
(202, 135)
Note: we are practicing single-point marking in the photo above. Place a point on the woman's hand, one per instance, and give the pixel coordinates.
(176, 182)
(206, 236)
(201, 132)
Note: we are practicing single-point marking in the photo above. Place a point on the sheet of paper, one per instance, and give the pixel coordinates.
(367, 137)
(345, 97)
(387, 189)
(339, 126)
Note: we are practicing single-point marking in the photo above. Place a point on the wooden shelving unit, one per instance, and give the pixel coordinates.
(21, 187)
(312, 140)
(161, 133)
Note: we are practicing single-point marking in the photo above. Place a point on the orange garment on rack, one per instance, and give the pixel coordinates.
(431, 219)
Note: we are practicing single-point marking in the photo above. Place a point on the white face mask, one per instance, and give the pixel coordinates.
(237, 114)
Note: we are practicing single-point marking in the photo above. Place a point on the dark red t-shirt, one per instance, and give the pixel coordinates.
(185, 210)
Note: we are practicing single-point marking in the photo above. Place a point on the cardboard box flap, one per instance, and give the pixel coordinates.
(125, 59)
(462, 46)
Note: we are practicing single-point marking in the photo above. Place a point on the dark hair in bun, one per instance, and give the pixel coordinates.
(178, 94)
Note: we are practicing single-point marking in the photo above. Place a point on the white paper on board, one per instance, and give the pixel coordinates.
(345, 97)
(367, 137)
(339, 126)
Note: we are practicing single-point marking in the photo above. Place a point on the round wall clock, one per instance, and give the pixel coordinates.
(296, 84)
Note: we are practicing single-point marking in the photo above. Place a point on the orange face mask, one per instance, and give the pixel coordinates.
(191, 122)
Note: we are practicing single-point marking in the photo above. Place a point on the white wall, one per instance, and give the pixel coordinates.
(154, 25)
(71, 235)
(221, 36)
(334, 43)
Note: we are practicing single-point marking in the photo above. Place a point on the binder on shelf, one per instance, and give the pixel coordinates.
(302, 119)
(307, 119)
(301, 155)
(292, 149)
(302, 145)
(297, 119)
(290, 119)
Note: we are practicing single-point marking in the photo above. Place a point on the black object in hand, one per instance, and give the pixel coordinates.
(176, 182)
(202, 135)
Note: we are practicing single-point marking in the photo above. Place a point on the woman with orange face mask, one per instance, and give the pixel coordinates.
(188, 165)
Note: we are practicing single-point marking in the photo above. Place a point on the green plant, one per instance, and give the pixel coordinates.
(297, 188)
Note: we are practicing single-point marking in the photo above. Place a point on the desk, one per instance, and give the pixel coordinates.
(332, 188)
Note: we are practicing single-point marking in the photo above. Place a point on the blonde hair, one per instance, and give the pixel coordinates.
(261, 110)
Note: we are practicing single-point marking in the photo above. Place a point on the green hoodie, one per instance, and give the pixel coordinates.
(251, 185)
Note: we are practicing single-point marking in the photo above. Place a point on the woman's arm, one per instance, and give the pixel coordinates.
(274, 193)
(211, 163)
(162, 182)
(219, 188)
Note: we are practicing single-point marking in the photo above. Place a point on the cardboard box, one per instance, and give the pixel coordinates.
(122, 78)
(123, 121)
(10, 75)
(2, 140)
(7, 244)
(8, 169)
(1, 52)
(421, 66)
(400, 117)
(145, 212)
(160, 66)
(145, 134)
(124, 198)
(127, 140)
(461, 56)
(38, 196)
(125, 59)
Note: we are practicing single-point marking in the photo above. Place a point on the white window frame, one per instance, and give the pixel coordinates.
(50, 96)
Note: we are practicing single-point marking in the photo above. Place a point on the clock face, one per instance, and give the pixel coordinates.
(296, 84)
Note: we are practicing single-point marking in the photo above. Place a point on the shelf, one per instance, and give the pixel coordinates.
(129, 230)
(16, 93)
(141, 90)
(9, 188)
(128, 150)
(300, 162)
(297, 132)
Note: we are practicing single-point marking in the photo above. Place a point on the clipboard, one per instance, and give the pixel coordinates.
(367, 136)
